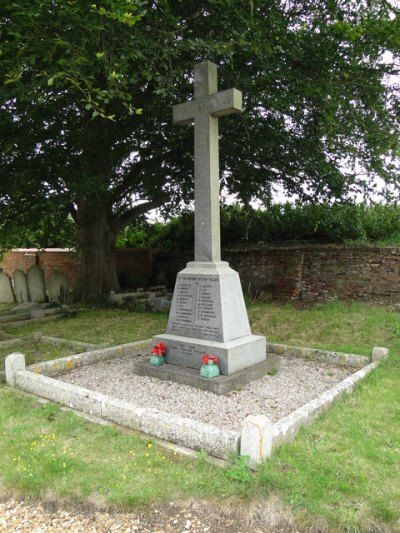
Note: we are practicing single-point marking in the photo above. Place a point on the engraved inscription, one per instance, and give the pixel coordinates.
(196, 309)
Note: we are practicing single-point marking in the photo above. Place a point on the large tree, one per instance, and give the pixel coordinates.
(87, 90)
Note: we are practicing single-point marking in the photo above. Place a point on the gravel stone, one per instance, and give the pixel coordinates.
(297, 382)
(24, 517)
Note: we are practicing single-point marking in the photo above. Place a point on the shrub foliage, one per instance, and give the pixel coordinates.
(280, 224)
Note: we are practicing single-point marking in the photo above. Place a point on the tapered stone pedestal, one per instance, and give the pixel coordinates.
(208, 316)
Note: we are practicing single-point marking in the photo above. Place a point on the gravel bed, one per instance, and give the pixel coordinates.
(175, 517)
(297, 382)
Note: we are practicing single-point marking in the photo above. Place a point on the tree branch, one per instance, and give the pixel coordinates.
(72, 211)
(130, 216)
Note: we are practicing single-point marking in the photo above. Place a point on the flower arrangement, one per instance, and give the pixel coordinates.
(158, 349)
(157, 354)
(209, 368)
(209, 359)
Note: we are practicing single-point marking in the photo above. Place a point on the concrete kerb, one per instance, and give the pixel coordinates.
(313, 354)
(57, 341)
(14, 364)
(168, 427)
(69, 362)
(37, 337)
(19, 341)
(286, 429)
(20, 323)
(182, 431)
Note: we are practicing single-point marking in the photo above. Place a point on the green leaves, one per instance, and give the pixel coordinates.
(60, 46)
(87, 91)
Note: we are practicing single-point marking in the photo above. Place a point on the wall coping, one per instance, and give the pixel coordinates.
(316, 247)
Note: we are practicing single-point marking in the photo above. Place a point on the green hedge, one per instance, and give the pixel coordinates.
(280, 224)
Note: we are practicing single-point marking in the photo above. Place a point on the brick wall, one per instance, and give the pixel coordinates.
(351, 273)
(49, 260)
(311, 273)
(302, 273)
(134, 265)
(322, 273)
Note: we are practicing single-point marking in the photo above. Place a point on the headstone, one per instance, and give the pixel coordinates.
(6, 292)
(161, 303)
(58, 287)
(36, 284)
(20, 286)
(208, 313)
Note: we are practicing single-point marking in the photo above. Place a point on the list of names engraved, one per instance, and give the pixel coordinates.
(196, 311)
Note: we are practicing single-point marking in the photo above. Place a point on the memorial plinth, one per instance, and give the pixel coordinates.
(208, 316)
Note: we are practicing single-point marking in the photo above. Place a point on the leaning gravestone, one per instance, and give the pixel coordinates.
(36, 284)
(20, 286)
(6, 292)
(58, 287)
(208, 313)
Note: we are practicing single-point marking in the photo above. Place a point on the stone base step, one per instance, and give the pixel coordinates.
(219, 385)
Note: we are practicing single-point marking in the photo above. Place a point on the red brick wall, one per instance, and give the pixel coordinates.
(134, 265)
(303, 273)
(323, 273)
(311, 273)
(351, 273)
(21, 259)
(49, 260)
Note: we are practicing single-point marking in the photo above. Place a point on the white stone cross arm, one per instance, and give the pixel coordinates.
(218, 104)
(204, 110)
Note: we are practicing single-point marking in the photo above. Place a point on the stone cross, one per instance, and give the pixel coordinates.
(204, 110)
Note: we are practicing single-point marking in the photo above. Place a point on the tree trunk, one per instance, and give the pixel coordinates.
(97, 272)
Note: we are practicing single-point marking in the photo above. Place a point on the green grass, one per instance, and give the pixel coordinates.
(354, 328)
(50, 453)
(36, 352)
(94, 325)
(343, 472)
(345, 469)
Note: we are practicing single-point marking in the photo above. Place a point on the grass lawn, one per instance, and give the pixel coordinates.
(36, 352)
(343, 472)
(94, 325)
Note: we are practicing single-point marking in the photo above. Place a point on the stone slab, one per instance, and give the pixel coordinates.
(182, 431)
(24, 307)
(19, 341)
(76, 345)
(233, 355)
(40, 313)
(20, 286)
(58, 287)
(14, 317)
(161, 303)
(6, 291)
(220, 385)
(36, 284)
